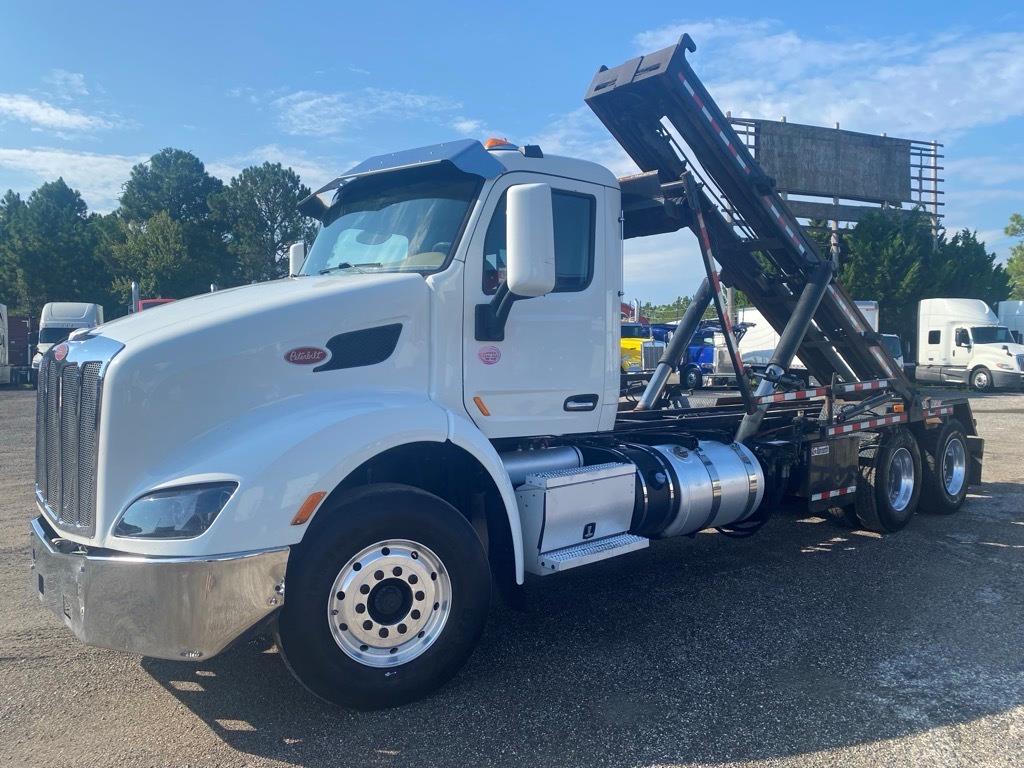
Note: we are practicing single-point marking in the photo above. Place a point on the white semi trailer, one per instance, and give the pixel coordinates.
(351, 455)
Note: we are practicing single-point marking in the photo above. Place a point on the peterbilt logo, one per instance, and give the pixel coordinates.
(305, 355)
(60, 352)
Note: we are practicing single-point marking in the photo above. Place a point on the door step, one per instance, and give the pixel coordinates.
(589, 552)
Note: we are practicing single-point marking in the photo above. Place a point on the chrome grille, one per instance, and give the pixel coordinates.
(51, 432)
(67, 420)
(1020, 362)
(652, 351)
(40, 428)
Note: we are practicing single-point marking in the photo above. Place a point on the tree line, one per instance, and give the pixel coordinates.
(896, 260)
(176, 230)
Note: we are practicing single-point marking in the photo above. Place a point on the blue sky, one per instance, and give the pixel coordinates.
(87, 92)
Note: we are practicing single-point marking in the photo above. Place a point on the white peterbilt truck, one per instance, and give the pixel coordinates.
(352, 456)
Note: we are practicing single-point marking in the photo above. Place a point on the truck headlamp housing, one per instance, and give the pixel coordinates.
(1006, 366)
(174, 513)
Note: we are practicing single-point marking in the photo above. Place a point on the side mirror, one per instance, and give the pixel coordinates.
(296, 258)
(530, 251)
(529, 257)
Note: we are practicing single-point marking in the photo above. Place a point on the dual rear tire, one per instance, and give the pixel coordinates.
(896, 477)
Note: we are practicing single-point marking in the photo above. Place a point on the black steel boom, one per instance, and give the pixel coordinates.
(657, 108)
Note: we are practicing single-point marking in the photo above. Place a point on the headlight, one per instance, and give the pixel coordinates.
(174, 513)
(1006, 366)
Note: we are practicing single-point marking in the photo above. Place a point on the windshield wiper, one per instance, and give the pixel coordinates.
(356, 267)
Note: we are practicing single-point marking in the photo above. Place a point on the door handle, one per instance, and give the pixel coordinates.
(576, 403)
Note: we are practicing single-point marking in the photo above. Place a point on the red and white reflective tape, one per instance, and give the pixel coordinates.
(714, 124)
(863, 386)
(783, 223)
(856, 426)
(800, 394)
(832, 494)
(942, 410)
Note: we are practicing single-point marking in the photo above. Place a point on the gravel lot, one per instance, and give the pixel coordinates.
(807, 645)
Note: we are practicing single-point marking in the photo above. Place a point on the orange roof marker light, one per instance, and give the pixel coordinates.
(308, 507)
(495, 142)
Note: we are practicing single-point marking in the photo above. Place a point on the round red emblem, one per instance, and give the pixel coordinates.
(60, 352)
(489, 355)
(305, 355)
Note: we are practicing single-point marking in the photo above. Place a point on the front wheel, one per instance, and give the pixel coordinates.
(385, 598)
(692, 378)
(981, 379)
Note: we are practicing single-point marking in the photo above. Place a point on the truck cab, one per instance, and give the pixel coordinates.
(59, 319)
(960, 341)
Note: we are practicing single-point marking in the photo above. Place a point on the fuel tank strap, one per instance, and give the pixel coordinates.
(751, 478)
(716, 487)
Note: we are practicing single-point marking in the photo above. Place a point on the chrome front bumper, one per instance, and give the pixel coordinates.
(166, 607)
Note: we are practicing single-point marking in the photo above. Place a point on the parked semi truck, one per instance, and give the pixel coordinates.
(59, 319)
(349, 457)
(961, 341)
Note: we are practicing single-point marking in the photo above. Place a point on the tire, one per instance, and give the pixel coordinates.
(981, 379)
(882, 503)
(692, 378)
(422, 542)
(945, 468)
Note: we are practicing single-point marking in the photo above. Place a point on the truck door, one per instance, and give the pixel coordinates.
(550, 374)
(960, 358)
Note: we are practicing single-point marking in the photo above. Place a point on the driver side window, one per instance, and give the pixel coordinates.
(573, 216)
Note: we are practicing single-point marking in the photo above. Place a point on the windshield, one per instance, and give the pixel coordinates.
(633, 331)
(892, 345)
(54, 335)
(407, 221)
(991, 334)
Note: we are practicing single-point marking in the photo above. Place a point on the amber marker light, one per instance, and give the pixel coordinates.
(481, 406)
(308, 507)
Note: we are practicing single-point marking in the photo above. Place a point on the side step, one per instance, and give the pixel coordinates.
(589, 552)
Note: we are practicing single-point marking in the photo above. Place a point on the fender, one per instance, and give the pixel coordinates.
(281, 453)
(463, 433)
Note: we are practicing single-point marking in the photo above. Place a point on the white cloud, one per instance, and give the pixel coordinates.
(314, 113)
(98, 177)
(314, 171)
(918, 87)
(68, 85)
(44, 115)
(988, 171)
(468, 126)
(580, 134)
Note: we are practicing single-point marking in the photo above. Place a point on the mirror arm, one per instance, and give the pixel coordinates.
(491, 317)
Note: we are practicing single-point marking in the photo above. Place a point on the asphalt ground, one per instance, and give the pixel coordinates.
(808, 645)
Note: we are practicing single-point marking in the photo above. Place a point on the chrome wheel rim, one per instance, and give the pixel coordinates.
(954, 466)
(389, 603)
(980, 380)
(901, 479)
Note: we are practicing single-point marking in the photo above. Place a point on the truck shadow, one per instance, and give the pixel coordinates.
(807, 637)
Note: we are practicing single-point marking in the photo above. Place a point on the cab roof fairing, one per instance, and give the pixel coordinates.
(466, 155)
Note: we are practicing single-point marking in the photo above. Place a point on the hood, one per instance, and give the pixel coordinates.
(187, 369)
(262, 299)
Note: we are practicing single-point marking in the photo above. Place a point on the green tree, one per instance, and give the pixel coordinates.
(11, 206)
(259, 211)
(172, 186)
(52, 241)
(965, 269)
(885, 258)
(1015, 264)
(156, 254)
(172, 180)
